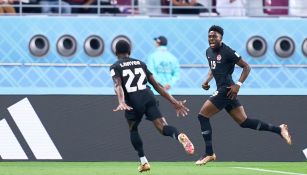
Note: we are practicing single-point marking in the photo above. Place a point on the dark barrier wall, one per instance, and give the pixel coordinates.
(84, 128)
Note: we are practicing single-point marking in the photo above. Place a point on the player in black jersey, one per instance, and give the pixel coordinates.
(130, 77)
(222, 60)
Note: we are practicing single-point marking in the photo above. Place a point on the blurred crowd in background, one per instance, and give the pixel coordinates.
(156, 7)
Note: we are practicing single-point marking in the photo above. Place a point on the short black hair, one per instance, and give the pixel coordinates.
(122, 47)
(216, 28)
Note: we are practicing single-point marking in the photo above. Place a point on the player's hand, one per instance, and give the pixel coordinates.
(233, 91)
(205, 86)
(122, 107)
(181, 109)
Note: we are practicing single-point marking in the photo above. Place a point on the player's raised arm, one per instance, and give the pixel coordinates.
(234, 89)
(181, 109)
(206, 85)
(120, 95)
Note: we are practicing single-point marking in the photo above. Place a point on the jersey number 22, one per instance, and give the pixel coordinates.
(131, 77)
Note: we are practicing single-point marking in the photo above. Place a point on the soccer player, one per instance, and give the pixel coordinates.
(136, 99)
(222, 60)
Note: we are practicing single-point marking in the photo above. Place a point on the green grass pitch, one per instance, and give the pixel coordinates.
(157, 168)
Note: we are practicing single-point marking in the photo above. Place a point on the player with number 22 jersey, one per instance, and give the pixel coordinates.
(133, 74)
(130, 77)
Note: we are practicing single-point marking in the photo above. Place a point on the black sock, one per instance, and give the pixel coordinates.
(137, 142)
(259, 125)
(206, 132)
(170, 131)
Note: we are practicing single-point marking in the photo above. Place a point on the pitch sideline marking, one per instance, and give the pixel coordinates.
(270, 171)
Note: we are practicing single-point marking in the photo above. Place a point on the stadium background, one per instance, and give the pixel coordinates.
(74, 96)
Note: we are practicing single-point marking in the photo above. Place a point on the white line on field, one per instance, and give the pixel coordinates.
(270, 171)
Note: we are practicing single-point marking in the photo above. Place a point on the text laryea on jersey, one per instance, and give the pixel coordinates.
(130, 63)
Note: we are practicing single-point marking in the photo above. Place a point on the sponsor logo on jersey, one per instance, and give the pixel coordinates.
(218, 58)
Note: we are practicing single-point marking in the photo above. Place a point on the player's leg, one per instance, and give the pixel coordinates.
(166, 130)
(135, 137)
(239, 115)
(153, 114)
(171, 131)
(208, 110)
(134, 118)
(138, 144)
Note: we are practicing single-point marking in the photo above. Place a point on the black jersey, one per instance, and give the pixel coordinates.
(134, 76)
(222, 63)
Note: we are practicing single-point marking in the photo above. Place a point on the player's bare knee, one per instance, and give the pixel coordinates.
(205, 113)
(159, 124)
(160, 128)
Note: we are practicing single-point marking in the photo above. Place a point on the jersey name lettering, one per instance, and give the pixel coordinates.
(130, 63)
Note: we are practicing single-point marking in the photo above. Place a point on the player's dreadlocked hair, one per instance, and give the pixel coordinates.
(122, 46)
(218, 29)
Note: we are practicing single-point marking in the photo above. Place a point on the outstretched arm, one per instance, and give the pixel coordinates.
(120, 95)
(178, 105)
(234, 89)
(206, 85)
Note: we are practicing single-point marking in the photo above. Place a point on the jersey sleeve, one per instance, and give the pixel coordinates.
(114, 72)
(235, 57)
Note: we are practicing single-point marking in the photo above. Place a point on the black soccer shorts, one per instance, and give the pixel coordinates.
(149, 108)
(221, 101)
